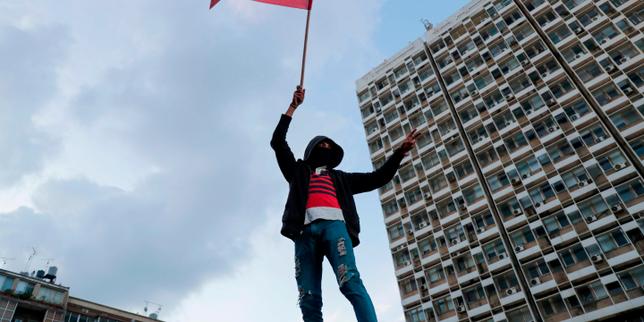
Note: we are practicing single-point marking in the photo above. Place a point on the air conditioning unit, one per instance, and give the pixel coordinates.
(423, 287)
(509, 96)
(610, 68)
(428, 196)
(599, 139)
(453, 242)
(592, 218)
(537, 205)
(551, 101)
(461, 308)
(628, 90)
(516, 212)
(535, 281)
(616, 208)
(574, 117)
(623, 60)
(480, 230)
(595, 18)
(511, 291)
(577, 56)
(619, 166)
(475, 92)
(525, 176)
(516, 181)
(508, 123)
(525, 62)
(596, 258)
(518, 248)
(578, 30)
(529, 111)
(603, 41)
(502, 256)
(551, 129)
(581, 183)
(589, 181)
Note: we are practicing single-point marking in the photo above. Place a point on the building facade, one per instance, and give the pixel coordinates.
(25, 298)
(523, 199)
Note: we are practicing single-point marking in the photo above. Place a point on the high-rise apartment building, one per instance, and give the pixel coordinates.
(523, 199)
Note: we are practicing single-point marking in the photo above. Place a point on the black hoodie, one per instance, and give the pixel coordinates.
(297, 173)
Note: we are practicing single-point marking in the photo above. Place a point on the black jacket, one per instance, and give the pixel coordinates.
(298, 172)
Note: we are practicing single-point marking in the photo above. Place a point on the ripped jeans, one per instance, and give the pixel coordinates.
(328, 238)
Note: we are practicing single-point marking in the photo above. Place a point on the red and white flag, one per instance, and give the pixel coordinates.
(299, 4)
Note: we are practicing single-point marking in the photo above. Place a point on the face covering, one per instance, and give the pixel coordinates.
(320, 157)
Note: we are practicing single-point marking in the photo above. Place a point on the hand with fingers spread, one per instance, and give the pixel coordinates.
(410, 141)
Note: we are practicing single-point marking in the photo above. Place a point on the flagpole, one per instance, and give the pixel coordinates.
(306, 41)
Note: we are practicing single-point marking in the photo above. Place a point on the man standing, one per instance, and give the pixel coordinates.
(320, 215)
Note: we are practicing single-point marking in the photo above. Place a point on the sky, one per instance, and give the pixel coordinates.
(135, 147)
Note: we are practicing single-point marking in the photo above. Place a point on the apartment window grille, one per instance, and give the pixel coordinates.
(573, 255)
(593, 207)
(589, 72)
(631, 191)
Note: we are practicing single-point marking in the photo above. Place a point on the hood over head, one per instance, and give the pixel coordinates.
(336, 152)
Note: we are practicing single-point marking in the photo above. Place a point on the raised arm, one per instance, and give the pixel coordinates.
(283, 153)
(363, 182)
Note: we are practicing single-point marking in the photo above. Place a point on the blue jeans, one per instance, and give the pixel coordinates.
(328, 238)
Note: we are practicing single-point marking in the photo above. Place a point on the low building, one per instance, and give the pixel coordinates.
(32, 298)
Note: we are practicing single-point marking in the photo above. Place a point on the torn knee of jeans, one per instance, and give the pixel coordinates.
(343, 274)
(298, 269)
(342, 249)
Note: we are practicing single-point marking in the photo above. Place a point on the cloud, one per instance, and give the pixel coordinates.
(29, 62)
(152, 141)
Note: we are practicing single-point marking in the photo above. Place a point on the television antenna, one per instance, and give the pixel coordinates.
(31, 257)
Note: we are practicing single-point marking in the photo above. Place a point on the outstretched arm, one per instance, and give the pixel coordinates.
(363, 182)
(283, 153)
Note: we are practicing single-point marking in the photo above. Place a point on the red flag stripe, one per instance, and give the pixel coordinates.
(299, 4)
(213, 3)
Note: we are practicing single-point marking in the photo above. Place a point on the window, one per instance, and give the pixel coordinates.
(561, 88)
(483, 220)
(416, 315)
(395, 232)
(487, 157)
(591, 293)
(528, 166)
(437, 183)
(446, 207)
(625, 118)
(593, 134)
(560, 151)
(413, 196)
(427, 246)
(559, 34)
(463, 169)
(537, 268)
(473, 194)
(6, 283)
(606, 34)
(483, 80)
(443, 305)
(633, 278)
(612, 160)
(50, 296)
(429, 160)
(391, 115)
(589, 72)
(577, 109)
(552, 306)
(464, 264)
(454, 147)
(612, 240)
(555, 223)
(522, 237)
(631, 190)
(435, 274)
(545, 126)
(375, 145)
(506, 281)
(576, 177)
(438, 107)
(493, 249)
(593, 207)
(390, 207)
(606, 94)
(473, 62)
(515, 142)
(498, 181)
(573, 255)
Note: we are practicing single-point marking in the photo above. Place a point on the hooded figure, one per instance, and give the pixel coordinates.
(320, 215)
(317, 156)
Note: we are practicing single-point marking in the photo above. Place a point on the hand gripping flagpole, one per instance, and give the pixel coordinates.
(306, 41)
